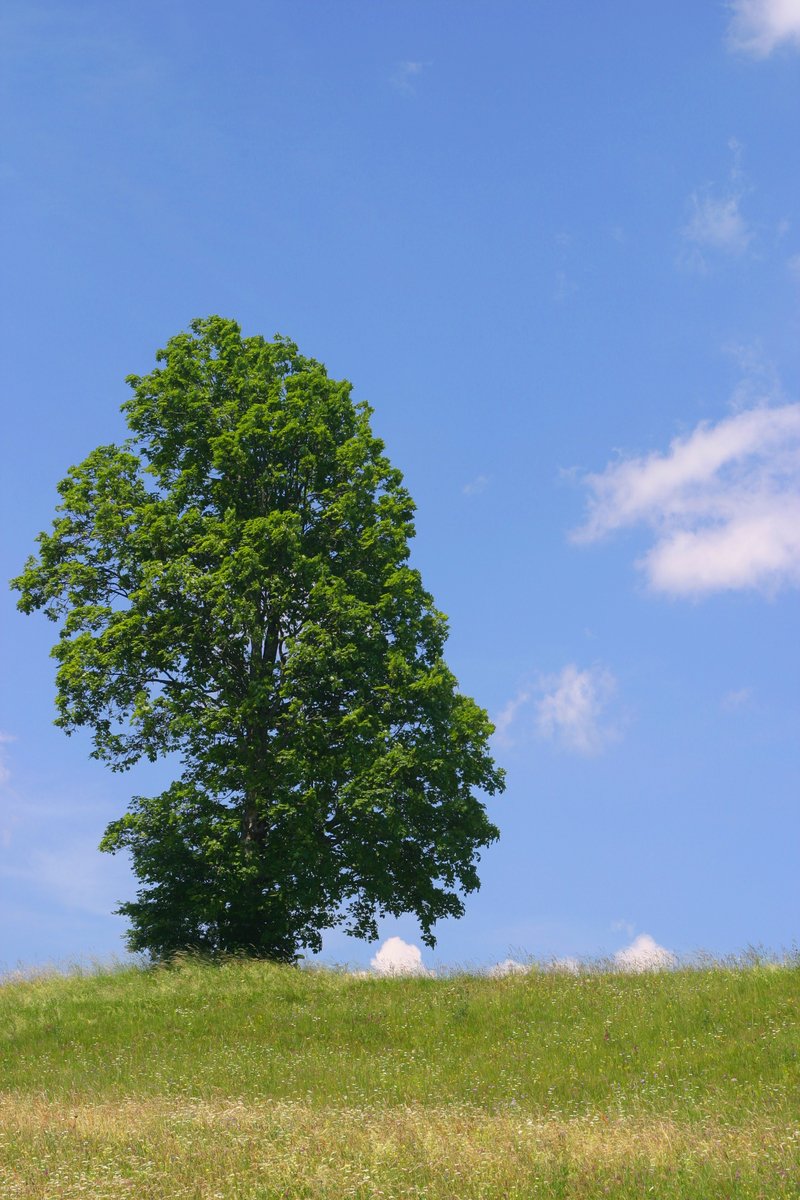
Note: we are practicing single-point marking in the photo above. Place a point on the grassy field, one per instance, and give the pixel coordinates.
(249, 1080)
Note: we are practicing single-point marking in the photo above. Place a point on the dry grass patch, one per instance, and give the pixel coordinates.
(154, 1149)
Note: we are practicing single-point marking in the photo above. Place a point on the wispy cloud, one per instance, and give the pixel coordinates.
(565, 287)
(5, 773)
(75, 875)
(569, 708)
(99, 54)
(405, 75)
(758, 27)
(6, 817)
(504, 720)
(644, 954)
(738, 698)
(723, 504)
(565, 282)
(759, 383)
(396, 957)
(572, 711)
(476, 485)
(716, 225)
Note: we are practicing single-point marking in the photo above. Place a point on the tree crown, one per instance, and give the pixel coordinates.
(233, 586)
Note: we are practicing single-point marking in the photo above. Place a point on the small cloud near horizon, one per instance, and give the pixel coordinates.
(509, 966)
(644, 954)
(757, 27)
(396, 957)
(568, 965)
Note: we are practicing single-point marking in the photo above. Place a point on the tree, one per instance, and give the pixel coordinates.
(234, 590)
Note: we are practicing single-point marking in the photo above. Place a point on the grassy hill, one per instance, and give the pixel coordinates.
(250, 1080)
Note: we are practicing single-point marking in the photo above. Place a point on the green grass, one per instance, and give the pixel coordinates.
(249, 1080)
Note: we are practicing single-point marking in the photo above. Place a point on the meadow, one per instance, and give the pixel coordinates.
(246, 1079)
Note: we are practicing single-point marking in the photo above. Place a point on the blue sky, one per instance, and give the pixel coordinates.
(557, 247)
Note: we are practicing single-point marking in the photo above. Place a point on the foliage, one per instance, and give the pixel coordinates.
(234, 589)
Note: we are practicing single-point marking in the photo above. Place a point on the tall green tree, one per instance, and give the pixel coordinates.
(233, 588)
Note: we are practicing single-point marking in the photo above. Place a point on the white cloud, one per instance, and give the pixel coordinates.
(644, 954)
(571, 710)
(476, 485)
(736, 699)
(623, 926)
(723, 503)
(509, 966)
(758, 26)
(793, 264)
(396, 957)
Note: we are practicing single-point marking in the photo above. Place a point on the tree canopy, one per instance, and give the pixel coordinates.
(233, 589)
